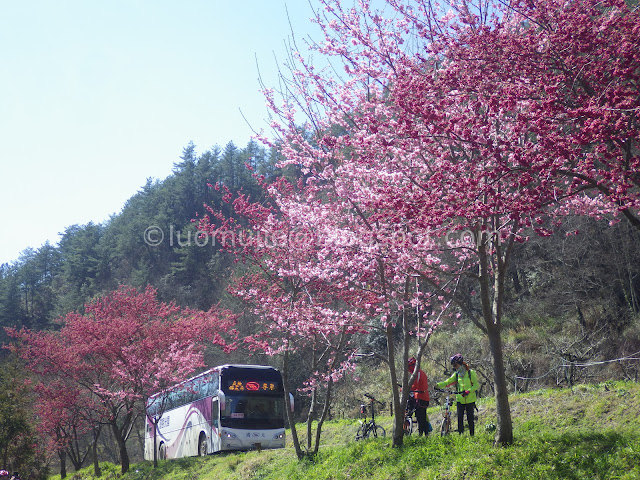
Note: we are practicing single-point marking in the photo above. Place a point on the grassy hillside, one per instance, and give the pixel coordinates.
(590, 432)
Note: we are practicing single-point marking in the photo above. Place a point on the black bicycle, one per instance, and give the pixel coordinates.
(407, 426)
(370, 428)
(445, 425)
(409, 423)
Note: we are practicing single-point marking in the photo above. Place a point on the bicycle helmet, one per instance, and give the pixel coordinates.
(4, 473)
(411, 362)
(457, 358)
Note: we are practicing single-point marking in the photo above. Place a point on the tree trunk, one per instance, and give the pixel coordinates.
(399, 402)
(310, 416)
(63, 463)
(328, 393)
(124, 455)
(504, 431)
(323, 415)
(398, 412)
(292, 423)
(491, 295)
(122, 447)
(94, 449)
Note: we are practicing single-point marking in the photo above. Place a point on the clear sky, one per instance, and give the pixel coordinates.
(97, 96)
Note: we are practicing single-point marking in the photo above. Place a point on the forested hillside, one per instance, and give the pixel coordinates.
(49, 281)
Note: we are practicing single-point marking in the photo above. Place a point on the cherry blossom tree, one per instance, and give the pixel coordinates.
(578, 66)
(383, 183)
(432, 155)
(322, 275)
(125, 347)
(299, 314)
(361, 256)
(61, 409)
(542, 100)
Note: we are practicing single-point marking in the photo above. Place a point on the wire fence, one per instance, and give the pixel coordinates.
(567, 369)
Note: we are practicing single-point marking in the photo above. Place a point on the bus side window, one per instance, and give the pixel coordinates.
(214, 413)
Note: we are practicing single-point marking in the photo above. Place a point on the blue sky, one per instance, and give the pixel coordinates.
(98, 96)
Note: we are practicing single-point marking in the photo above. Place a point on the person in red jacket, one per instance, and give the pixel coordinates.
(420, 389)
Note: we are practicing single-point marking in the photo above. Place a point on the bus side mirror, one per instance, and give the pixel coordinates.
(291, 401)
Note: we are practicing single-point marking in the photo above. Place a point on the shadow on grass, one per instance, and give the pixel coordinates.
(580, 455)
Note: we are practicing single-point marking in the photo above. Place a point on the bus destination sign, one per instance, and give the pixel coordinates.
(252, 386)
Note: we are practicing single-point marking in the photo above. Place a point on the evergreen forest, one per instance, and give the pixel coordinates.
(47, 282)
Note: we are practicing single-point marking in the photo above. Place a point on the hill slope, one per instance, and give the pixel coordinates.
(589, 432)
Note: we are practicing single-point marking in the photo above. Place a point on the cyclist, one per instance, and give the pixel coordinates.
(466, 382)
(420, 389)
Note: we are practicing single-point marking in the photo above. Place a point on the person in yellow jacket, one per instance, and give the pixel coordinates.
(466, 382)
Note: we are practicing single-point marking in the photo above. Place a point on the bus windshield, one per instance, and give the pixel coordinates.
(253, 411)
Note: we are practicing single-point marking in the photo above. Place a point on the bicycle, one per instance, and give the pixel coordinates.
(409, 424)
(445, 425)
(371, 427)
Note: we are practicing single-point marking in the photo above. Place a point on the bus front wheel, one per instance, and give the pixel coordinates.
(162, 452)
(202, 445)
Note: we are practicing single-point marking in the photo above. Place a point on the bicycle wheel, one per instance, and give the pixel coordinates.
(445, 427)
(408, 426)
(378, 431)
(363, 432)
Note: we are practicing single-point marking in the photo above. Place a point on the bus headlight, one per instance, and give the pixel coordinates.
(279, 436)
(228, 434)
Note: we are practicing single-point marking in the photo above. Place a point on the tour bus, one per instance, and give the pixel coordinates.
(230, 407)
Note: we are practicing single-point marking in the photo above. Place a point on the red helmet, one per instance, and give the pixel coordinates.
(411, 361)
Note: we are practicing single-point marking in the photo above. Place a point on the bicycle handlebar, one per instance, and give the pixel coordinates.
(373, 399)
(446, 391)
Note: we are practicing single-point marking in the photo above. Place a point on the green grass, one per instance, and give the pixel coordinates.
(590, 432)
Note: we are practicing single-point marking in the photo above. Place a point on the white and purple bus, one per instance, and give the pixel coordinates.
(230, 407)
